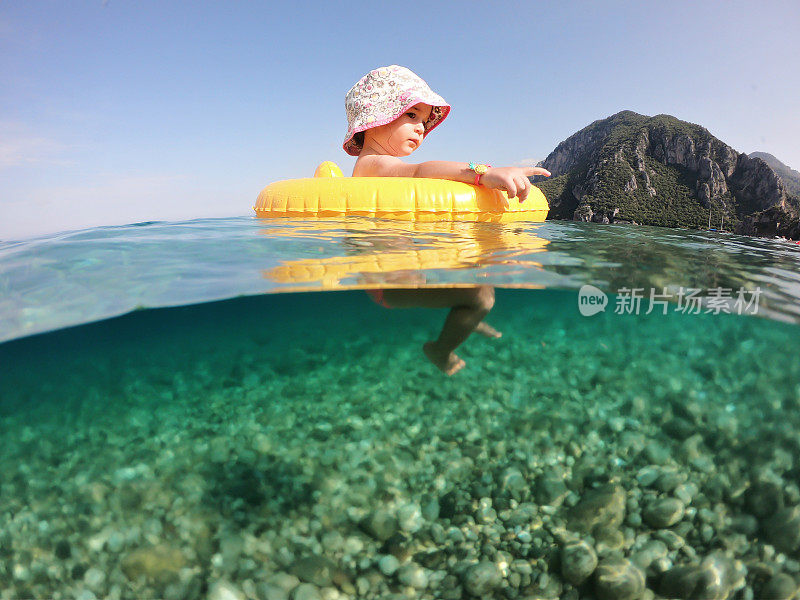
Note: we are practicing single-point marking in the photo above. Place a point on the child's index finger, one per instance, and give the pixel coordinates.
(531, 171)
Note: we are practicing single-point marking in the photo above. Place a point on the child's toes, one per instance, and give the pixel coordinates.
(454, 365)
(488, 330)
(448, 363)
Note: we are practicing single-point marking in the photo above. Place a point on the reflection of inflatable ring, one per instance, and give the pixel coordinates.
(381, 253)
(328, 194)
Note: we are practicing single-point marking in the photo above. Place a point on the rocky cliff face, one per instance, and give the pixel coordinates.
(789, 176)
(754, 181)
(661, 171)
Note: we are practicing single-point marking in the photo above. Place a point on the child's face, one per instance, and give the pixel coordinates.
(403, 135)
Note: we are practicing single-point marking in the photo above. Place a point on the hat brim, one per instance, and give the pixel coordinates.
(354, 149)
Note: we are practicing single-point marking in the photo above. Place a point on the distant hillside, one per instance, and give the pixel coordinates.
(630, 168)
(790, 177)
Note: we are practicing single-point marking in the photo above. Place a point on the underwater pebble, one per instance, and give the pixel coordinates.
(670, 538)
(634, 519)
(550, 490)
(381, 524)
(764, 498)
(685, 492)
(231, 546)
(318, 570)
(160, 563)
(779, 587)
(513, 481)
(650, 552)
(268, 591)
(430, 508)
(409, 517)
(330, 593)
(332, 541)
(714, 577)
(706, 532)
(608, 540)
(668, 480)
(703, 463)
(746, 524)
(657, 453)
(618, 579)
(388, 565)
(362, 586)
(127, 474)
(353, 546)
(262, 443)
(578, 562)
(604, 506)
(783, 529)
(663, 512)
(647, 476)
(482, 578)
(283, 581)
(437, 534)
(485, 513)
(661, 565)
(616, 424)
(115, 542)
(521, 515)
(94, 578)
(305, 591)
(224, 590)
(455, 535)
(413, 575)
(522, 566)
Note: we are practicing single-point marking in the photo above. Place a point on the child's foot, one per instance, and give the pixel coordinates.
(488, 330)
(448, 363)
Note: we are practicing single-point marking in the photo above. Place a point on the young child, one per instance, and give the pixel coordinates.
(389, 112)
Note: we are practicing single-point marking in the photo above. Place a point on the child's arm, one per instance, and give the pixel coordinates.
(513, 180)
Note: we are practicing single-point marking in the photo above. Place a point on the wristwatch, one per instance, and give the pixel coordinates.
(479, 170)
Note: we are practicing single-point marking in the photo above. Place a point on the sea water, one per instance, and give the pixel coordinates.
(214, 409)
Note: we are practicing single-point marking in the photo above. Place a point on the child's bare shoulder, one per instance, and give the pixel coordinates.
(379, 165)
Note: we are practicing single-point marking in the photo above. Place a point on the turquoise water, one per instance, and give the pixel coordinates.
(83, 276)
(229, 441)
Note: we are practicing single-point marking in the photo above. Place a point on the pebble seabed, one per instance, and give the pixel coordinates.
(607, 458)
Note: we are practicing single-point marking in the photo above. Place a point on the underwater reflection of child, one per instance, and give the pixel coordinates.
(389, 112)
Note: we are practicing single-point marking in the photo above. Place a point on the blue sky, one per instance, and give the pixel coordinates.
(116, 112)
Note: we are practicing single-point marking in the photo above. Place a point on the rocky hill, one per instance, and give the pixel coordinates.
(630, 168)
(790, 177)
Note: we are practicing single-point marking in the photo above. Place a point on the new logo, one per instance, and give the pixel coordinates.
(591, 300)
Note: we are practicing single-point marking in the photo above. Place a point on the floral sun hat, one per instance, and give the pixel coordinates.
(384, 94)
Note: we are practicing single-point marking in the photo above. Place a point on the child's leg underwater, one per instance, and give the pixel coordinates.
(468, 308)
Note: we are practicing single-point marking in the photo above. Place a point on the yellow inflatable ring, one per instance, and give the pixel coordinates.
(329, 194)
